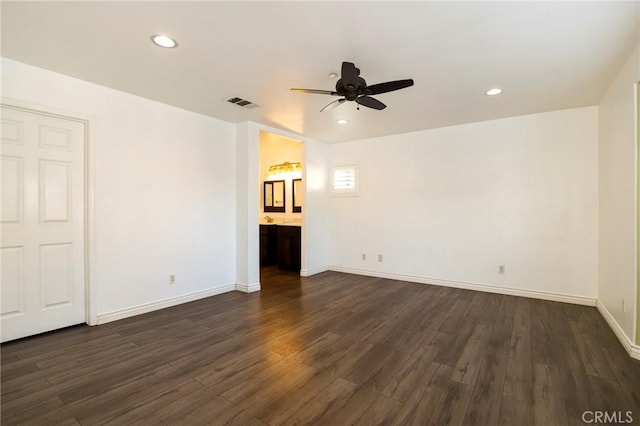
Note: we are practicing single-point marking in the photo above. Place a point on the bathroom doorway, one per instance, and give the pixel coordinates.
(281, 208)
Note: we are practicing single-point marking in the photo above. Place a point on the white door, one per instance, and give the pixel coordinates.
(42, 215)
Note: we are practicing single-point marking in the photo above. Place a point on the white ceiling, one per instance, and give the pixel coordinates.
(545, 55)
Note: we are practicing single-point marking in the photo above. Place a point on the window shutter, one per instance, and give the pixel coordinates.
(345, 181)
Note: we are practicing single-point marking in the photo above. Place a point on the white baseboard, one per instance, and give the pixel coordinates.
(556, 297)
(632, 349)
(313, 271)
(161, 304)
(248, 288)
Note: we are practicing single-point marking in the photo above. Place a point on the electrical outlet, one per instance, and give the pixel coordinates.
(501, 269)
(172, 279)
(379, 258)
(364, 256)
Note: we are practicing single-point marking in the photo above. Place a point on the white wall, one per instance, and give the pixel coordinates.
(316, 209)
(453, 203)
(446, 204)
(617, 277)
(164, 185)
(247, 231)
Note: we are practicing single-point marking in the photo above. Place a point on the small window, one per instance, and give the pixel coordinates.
(344, 181)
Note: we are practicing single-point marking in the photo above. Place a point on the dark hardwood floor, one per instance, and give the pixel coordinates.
(333, 349)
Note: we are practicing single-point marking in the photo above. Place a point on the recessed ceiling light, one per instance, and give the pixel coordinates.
(342, 121)
(164, 41)
(332, 75)
(494, 91)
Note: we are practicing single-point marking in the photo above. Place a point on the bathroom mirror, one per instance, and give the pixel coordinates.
(274, 196)
(296, 195)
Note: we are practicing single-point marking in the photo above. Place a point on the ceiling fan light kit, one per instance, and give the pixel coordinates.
(352, 87)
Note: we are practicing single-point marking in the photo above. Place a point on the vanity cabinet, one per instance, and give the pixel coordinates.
(280, 245)
(289, 243)
(268, 245)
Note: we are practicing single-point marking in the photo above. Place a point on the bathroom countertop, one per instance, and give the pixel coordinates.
(298, 224)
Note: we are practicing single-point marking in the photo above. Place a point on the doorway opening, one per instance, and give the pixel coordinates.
(281, 208)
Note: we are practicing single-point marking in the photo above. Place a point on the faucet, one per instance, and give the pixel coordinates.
(268, 218)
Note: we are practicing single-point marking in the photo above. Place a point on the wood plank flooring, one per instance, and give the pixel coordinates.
(333, 349)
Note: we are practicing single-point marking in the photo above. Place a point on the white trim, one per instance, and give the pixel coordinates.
(248, 288)
(90, 224)
(313, 271)
(161, 304)
(632, 349)
(636, 144)
(281, 132)
(556, 297)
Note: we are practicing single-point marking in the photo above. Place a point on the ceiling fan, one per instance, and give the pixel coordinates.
(352, 87)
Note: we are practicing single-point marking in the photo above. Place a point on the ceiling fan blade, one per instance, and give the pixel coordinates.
(349, 75)
(316, 91)
(333, 104)
(370, 102)
(389, 86)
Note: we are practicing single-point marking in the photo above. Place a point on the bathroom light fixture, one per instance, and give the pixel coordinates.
(163, 41)
(285, 167)
(342, 121)
(494, 91)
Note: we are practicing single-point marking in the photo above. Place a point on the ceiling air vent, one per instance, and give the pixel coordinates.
(242, 102)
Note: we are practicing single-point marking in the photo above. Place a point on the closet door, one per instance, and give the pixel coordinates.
(43, 223)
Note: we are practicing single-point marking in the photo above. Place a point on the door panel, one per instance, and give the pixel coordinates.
(43, 221)
(12, 281)
(56, 275)
(55, 191)
(11, 190)
(55, 138)
(11, 131)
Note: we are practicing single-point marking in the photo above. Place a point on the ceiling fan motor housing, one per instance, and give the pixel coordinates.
(351, 91)
(353, 88)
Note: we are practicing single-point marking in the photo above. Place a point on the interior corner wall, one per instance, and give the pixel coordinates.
(449, 205)
(617, 284)
(164, 192)
(316, 209)
(247, 195)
